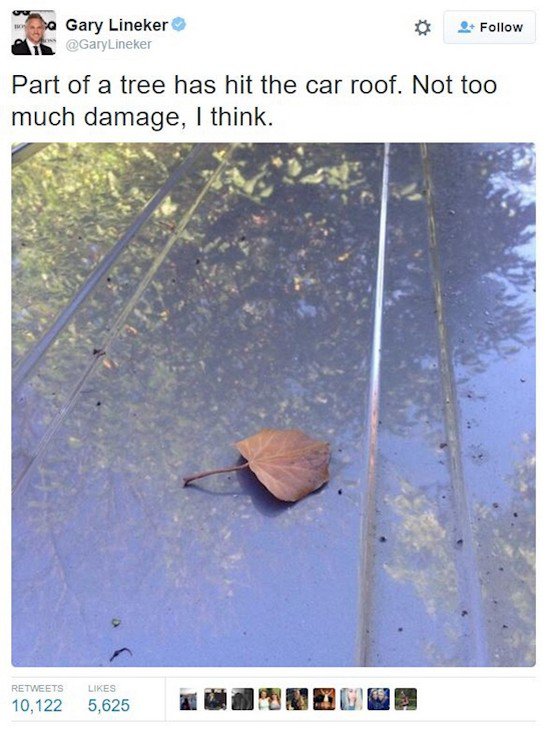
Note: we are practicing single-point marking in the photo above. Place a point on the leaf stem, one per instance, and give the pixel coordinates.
(199, 475)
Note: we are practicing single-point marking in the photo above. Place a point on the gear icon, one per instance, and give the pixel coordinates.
(423, 27)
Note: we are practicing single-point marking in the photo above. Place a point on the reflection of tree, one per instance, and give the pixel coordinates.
(483, 228)
(260, 316)
(507, 530)
(259, 295)
(41, 397)
(423, 557)
(70, 204)
(267, 316)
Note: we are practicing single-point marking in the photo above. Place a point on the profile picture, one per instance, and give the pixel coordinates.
(215, 699)
(379, 699)
(242, 699)
(351, 699)
(33, 33)
(324, 699)
(296, 699)
(269, 699)
(405, 699)
(188, 699)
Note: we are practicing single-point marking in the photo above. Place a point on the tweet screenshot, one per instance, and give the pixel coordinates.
(269, 330)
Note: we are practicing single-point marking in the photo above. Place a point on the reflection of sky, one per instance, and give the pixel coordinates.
(515, 185)
(527, 250)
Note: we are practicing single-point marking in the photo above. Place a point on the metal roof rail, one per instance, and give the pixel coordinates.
(24, 151)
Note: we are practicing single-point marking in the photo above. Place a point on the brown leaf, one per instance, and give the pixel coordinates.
(288, 462)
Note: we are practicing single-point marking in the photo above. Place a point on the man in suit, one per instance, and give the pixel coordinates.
(35, 27)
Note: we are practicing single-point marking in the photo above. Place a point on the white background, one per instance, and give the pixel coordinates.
(305, 39)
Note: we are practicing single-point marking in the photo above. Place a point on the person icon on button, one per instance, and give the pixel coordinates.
(464, 27)
(35, 27)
